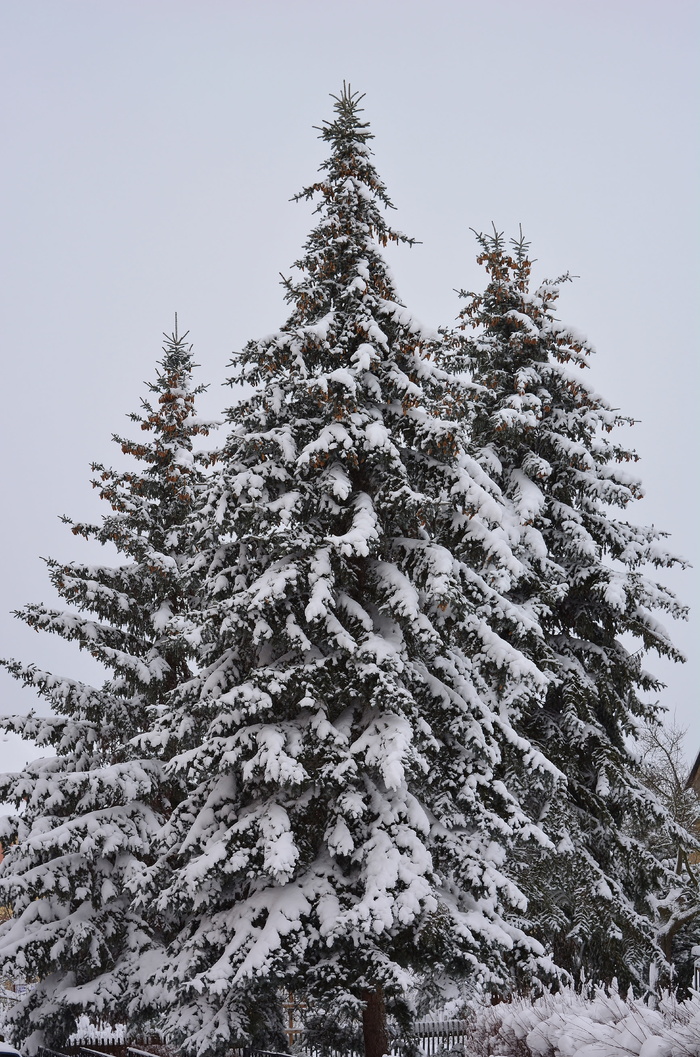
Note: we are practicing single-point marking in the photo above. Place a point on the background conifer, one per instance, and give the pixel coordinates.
(548, 439)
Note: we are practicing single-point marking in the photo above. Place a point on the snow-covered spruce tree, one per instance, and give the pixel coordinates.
(343, 827)
(86, 818)
(544, 435)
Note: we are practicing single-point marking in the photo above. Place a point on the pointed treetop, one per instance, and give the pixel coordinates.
(176, 343)
(347, 107)
(341, 263)
(350, 158)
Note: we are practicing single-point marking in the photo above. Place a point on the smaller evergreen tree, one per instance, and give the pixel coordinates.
(545, 436)
(86, 818)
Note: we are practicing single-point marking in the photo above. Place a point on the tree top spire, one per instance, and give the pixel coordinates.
(347, 122)
(348, 102)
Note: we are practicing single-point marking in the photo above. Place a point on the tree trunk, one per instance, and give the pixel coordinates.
(374, 1024)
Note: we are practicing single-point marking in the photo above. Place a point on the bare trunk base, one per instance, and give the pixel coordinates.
(374, 1024)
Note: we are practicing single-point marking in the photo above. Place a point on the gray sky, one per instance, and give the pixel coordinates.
(150, 151)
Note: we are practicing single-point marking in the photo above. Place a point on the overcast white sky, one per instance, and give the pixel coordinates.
(150, 148)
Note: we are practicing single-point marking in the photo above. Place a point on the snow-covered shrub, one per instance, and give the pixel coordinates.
(598, 1024)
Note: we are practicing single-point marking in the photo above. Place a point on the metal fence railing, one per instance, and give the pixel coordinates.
(432, 1037)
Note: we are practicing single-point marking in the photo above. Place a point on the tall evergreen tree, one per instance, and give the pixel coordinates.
(86, 818)
(343, 826)
(545, 436)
